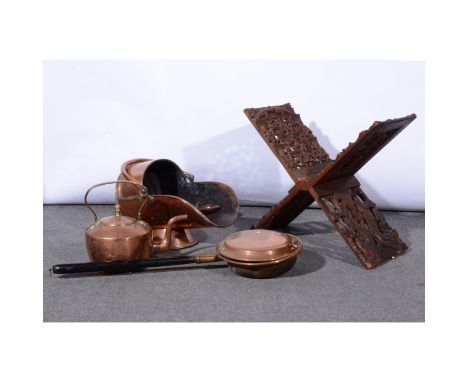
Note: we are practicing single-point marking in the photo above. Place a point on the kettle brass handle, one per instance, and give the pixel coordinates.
(143, 189)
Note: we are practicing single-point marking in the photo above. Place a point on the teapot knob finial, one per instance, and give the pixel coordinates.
(117, 209)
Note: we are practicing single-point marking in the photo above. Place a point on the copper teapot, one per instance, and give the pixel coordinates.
(120, 237)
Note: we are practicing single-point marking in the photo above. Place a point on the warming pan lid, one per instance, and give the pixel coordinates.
(259, 245)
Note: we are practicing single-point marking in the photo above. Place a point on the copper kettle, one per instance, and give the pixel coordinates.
(120, 237)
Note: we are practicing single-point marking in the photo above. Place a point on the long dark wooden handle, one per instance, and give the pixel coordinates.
(131, 265)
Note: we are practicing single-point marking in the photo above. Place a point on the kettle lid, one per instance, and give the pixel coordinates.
(117, 220)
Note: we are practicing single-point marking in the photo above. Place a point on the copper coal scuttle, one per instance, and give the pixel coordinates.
(173, 192)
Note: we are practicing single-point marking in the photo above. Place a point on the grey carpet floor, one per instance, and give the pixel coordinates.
(327, 283)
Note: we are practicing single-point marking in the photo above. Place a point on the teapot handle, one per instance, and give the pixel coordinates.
(143, 190)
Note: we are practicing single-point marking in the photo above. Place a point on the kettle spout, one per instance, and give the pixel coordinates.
(165, 243)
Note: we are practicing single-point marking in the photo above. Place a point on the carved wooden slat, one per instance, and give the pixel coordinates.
(284, 212)
(331, 183)
(362, 226)
(358, 153)
(290, 140)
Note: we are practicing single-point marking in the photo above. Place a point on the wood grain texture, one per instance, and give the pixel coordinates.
(330, 182)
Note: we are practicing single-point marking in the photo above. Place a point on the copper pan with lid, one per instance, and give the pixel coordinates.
(260, 253)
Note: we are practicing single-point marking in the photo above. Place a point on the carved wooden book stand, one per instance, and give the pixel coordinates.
(330, 182)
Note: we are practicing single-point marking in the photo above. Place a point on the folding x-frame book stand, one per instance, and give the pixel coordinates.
(330, 182)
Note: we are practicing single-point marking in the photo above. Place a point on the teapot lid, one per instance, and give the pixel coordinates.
(117, 220)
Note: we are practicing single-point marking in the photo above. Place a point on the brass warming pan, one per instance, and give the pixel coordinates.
(260, 253)
(256, 254)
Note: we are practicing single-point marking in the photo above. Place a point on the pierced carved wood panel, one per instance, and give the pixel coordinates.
(290, 140)
(369, 143)
(331, 183)
(362, 226)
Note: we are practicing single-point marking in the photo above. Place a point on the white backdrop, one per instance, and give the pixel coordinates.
(97, 114)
